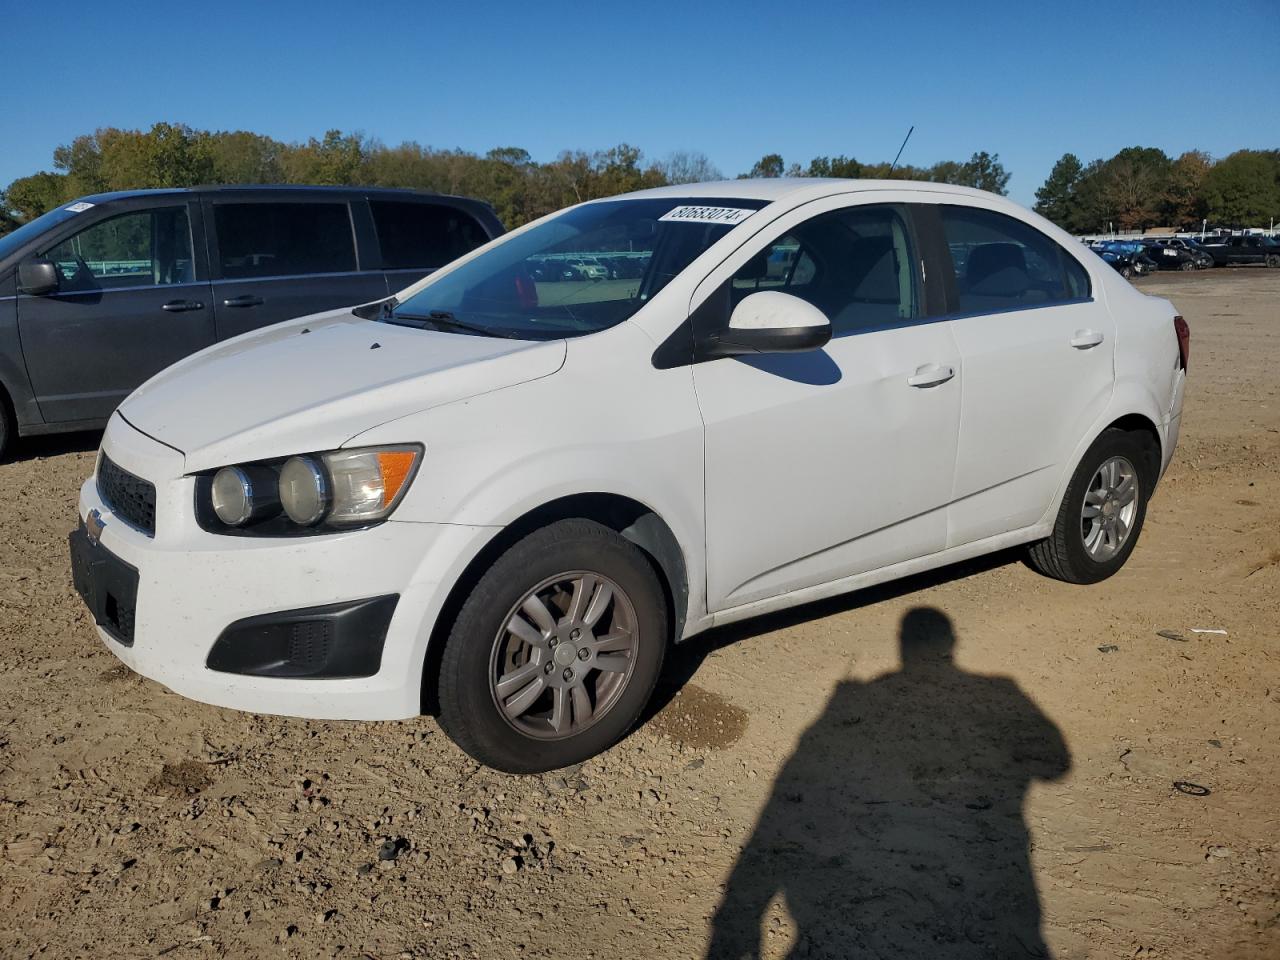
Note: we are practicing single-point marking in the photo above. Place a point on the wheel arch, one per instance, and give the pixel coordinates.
(634, 521)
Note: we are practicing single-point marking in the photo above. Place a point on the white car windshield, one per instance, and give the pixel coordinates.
(588, 269)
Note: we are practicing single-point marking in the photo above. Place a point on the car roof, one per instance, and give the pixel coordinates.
(771, 189)
(269, 188)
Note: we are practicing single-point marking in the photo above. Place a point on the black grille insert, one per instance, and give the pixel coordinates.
(131, 498)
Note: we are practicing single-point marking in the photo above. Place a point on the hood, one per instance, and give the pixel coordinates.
(312, 384)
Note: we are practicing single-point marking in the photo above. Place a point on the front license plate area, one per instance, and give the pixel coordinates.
(108, 586)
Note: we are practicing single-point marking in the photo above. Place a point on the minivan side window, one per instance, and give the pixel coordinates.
(423, 234)
(283, 239)
(857, 266)
(1001, 263)
(140, 249)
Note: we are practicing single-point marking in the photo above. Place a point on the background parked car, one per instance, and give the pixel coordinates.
(1177, 253)
(99, 295)
(1250, 249)
(1129, 259)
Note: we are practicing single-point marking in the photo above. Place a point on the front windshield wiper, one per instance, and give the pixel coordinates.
(444, 320)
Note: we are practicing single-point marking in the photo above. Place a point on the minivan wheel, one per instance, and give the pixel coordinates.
(555, 651)
(1102, 512)
(7, 430)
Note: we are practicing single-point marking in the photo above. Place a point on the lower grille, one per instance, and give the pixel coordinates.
(130, 498)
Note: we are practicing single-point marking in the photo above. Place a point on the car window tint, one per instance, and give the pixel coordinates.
(283, 239)
(856, 266)
(423, 234)
(1002, 263)
(145, 248)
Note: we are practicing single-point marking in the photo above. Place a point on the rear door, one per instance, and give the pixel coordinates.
(133, 299)
(276, 258)
(417, 237)
(1037, 352)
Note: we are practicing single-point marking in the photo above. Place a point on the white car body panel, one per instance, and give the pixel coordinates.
(782, 478)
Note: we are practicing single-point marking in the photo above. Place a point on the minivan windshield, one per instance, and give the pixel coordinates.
(587, 269)
(11, 242)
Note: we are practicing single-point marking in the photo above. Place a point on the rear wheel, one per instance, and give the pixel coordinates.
(1102, 512)
(555, 651)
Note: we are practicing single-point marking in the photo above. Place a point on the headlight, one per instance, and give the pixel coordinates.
(304, 491)
(240, 495)
(339, 488)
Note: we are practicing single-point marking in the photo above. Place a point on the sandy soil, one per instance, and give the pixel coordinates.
(831, 782)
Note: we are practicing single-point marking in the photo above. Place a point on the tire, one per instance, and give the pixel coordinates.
(8, 431)
(482, 647)
(1273, 261)
(1126, 272)
(1066, 554)
(1187, 265)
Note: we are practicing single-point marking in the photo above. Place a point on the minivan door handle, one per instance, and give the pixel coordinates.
(180, 306)
(1084, 339)
(931, 375)
(248, 300)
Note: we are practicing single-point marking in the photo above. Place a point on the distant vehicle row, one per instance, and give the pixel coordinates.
(1138, 257)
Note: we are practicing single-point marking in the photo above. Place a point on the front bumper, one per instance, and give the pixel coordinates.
(192, 585)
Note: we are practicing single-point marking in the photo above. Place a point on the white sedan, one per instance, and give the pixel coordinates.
(501, 500)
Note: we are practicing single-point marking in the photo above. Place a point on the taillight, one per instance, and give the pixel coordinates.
(1184, 340)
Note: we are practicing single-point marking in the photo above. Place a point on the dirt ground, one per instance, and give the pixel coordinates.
(838, 781)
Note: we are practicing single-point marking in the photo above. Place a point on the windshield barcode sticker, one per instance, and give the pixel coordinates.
(80, 207)
(717, 215)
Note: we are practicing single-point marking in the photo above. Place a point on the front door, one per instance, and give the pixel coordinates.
(827, 464)
(129, 304)
(277, 260)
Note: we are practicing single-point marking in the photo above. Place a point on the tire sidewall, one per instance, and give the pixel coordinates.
(1112, 443)
(468, 713)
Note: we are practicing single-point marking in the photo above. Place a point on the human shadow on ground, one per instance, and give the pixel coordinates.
(896, 828)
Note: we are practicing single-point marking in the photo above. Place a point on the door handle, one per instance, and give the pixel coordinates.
(248, 300)
(179, 306)
(931, 375)
(1084, 339)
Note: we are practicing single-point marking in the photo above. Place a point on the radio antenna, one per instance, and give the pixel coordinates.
(901, 148)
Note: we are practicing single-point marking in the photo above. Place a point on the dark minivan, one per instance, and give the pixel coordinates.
(99, 294)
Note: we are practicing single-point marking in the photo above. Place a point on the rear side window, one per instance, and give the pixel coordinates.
(145, 248)
(284, 239)
(1001, 263)
(856, 266)
(423, 234)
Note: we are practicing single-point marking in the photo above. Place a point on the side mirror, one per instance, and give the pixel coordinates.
(772, 322)
(37, 277)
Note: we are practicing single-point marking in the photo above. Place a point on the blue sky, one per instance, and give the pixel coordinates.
(1027, 80)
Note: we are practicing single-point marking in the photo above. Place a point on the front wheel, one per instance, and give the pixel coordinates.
(1102, 512)
(1187, 265)
(1273, 261)
(556, 650)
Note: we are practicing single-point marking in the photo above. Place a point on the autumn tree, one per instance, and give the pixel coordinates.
(1243, 189)
(1056, 199)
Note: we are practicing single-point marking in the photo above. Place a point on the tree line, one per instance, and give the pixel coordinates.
(519, 188)
(1138, 187)
(1143, 187)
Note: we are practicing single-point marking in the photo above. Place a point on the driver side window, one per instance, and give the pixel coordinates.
(146, 248)
(855, 265)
